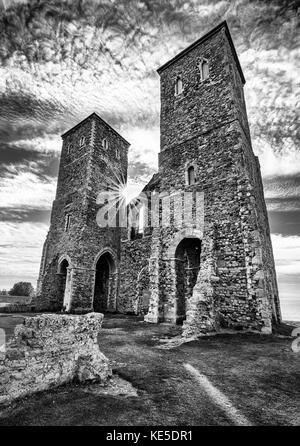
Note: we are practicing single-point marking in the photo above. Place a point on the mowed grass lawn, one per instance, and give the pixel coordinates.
(254, 376)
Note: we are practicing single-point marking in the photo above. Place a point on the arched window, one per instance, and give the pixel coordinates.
(191, 175)
(118, 153)
(69, 148)
(105, 143)
(178, 86)
(62, 267)
(82, 141)
(204, 69)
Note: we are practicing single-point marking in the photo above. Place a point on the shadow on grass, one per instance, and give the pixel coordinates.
(258, 373)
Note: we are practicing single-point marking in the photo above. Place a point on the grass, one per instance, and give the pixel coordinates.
(258, 373)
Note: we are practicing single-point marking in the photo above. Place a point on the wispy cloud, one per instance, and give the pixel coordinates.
(282, 193)
(26, 190)
(20, 251)
(61, 60)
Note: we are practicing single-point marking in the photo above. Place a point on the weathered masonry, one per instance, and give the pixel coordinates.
(194, 247)
(48, 350)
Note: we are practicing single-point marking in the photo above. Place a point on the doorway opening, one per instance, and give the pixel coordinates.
(104, 282)
(62, 272)
(187, 267)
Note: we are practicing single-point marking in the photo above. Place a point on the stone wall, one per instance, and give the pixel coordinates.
(16, 304)
(49, 350)
(134, 275)
(215, 105)
(17, 308)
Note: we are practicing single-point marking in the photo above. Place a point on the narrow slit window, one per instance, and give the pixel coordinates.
(178, 86)
(69, 148)
(105, 143)
(141, 220)
(204, 69)
(82, 141)
(118, 156)
(67, 222)
(191, 176)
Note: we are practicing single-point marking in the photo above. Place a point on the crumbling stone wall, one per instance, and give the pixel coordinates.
(260, 263)
(19, 304)
(143, 291)
(49, 350)
(134, 264)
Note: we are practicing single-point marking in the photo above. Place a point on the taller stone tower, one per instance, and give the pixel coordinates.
(79, 267)
(213, 265)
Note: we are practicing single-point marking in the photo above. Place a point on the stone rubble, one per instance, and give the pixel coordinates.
(48, 350)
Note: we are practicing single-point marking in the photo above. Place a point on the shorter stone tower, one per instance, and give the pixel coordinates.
(79, 267)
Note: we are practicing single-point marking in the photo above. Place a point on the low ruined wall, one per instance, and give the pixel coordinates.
(49, 350)
(17, 308)
(16, 304)
(9, 299)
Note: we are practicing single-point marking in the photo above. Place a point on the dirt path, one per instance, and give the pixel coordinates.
(217, 380)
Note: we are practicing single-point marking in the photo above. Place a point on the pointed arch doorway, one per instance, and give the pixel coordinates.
(105, 284)
(64, 284)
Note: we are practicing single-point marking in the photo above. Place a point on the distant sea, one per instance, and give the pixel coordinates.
(289, 294)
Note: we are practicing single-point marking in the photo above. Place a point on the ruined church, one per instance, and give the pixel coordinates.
(194, 248)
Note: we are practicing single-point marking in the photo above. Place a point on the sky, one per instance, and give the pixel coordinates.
(62, 60)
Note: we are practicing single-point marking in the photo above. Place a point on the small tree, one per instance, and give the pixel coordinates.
(22, 289)
(3, 292)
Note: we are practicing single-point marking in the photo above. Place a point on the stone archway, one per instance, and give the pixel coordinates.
(187, 266)
(164, 296)
(105, 286)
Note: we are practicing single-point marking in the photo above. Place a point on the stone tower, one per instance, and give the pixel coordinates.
(79, 268)
(197, 250)
(212, 266)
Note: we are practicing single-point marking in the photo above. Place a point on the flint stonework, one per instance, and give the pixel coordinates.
(203, 256)
(49, 350)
